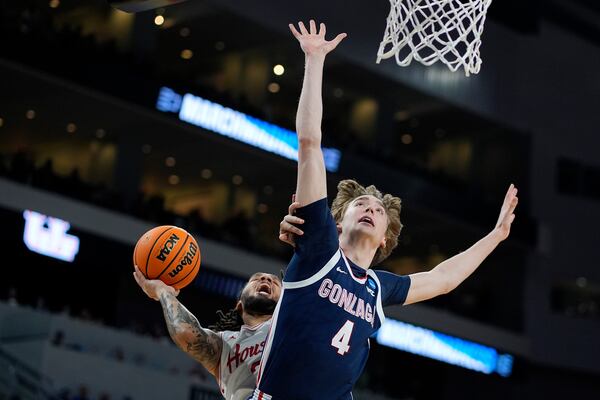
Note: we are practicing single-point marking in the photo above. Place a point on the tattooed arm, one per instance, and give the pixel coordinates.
(202, 344)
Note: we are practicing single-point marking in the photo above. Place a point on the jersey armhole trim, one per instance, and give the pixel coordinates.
(317, 276)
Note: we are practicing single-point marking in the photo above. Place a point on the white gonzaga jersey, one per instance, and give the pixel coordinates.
(240, 360)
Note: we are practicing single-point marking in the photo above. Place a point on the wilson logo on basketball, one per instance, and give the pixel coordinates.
(187, 259)
(168, 246)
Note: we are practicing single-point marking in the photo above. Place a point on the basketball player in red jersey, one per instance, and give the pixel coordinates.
(230, 351)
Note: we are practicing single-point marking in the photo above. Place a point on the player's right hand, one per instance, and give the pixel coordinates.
(152, 287)
(287, 228)
(313, 42)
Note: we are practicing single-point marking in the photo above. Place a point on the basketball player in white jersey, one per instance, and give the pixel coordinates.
(231, 351)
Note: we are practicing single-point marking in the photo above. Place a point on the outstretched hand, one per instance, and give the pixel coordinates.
(152, 287)
(313, 42)
(507, 215)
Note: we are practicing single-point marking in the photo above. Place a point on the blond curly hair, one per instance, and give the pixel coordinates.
(348, 190)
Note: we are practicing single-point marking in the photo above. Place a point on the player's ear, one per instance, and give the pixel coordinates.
(383, 243)
(339, 228)
(239, 307)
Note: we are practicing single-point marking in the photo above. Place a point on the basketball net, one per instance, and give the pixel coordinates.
(435, 30)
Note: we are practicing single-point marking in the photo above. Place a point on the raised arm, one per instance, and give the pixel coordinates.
(311, 184)
(202, 344)
(449, 274)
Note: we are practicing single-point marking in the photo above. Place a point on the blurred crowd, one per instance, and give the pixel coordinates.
(238, 229)
(71, 51)
(118, 353)
(155, 330)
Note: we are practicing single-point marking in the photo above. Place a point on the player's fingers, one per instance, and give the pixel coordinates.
(512, 194)
(338, 39)
(282, 226)
(290, 240)
(322, 29)
(287, 240)
(176, 292)
(313, 27)
(294, 31)
(509, 191)
(508, 199)
(507, 223)
(292, 208)
(290, 219)
(302, 28)
(141, 276)
(289, 228)
(512, 208)
(513, 205)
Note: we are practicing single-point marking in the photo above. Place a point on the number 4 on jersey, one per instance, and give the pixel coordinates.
(342, 338)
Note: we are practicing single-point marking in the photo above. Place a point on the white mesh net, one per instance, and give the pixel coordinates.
(431, 30)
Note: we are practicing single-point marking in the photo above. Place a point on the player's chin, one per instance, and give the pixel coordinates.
(370, 233)
(365, 229)
(260, 304)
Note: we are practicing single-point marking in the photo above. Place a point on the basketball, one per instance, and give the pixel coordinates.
(168, 253)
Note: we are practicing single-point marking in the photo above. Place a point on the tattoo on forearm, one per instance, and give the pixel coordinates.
(202, 344)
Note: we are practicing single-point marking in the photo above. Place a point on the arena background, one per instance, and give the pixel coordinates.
(91, 134)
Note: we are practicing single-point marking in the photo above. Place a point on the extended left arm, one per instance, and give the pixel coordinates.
(449, 274)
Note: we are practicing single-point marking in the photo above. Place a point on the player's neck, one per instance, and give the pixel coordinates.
(253, 320)
(359, 250)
